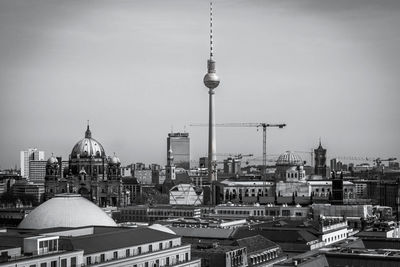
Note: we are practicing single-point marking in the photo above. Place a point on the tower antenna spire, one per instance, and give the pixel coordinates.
(211, 31)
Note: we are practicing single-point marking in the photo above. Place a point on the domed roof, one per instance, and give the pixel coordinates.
(88, 147)
(52, 160)
(66, 210)
(114, 160)
(161, 228)
(289, 159)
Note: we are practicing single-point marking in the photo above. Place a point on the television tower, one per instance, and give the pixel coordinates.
(211, 81)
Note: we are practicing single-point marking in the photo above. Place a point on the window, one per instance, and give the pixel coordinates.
(53, 264)
(128, 252)
(32, 265)
(186, 256)
(170, 244)
(150, 248)
(139, 250)
(115, 255)
(64, 263)
(146, 264)
(160, 246)
(44, 264)
(285, 212)
(177, 258)
(102, 257)
(167, 261)
(73, 262)
(88, 261)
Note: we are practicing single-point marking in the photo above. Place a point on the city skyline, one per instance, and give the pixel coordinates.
(135, 69)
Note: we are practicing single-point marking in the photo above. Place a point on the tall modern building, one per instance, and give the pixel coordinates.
(179, 143)
(28, 155)
(320, 160)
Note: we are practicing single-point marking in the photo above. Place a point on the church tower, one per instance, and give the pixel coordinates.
(320, 160)
(53, 175)
(170, 168)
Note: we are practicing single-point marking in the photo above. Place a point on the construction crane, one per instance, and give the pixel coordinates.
(250, 124)
(311, 153)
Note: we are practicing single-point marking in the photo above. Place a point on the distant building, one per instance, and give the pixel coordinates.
(37, 170)
(145, 213)
(232, 166)
(23, 187)
(26, 157)
(180, 145)
(144, 176)
(203, 162)
(394, 165)
(320, 161)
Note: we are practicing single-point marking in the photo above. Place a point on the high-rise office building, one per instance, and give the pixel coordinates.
(26, 157)
(333, 164)
(179, 143)
(37, 170)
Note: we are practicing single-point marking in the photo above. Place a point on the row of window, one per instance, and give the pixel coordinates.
(334, 238)
(263, 257)
(167, 261)
(63, 263)
(129, 252)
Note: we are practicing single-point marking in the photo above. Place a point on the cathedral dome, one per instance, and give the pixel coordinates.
(88, 147)
(289, 159)
(66, 210)
(52, 160)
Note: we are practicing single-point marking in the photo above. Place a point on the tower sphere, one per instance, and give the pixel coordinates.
(211, 80)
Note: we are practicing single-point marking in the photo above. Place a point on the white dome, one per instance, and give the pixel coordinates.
(66, 210)
(161, 228)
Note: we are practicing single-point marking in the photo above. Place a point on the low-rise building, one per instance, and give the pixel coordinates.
(145, 213)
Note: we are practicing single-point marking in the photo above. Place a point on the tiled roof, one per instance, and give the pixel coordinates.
(114, 240)
(255, 243)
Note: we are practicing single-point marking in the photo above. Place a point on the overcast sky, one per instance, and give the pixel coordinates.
(135, 69)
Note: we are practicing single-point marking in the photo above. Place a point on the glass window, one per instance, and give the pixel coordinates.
(160, 246)
(128, 252)
(102, 257)
(88, 260)
(73, 262)
(44, 264)
(53, 264)
(139, 250)
(115, 254)
(64, 263)
(150, 248)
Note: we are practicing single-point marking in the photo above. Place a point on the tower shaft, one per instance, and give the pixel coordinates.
(212, 147)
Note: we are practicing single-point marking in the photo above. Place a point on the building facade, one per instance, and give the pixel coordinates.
(37, 170)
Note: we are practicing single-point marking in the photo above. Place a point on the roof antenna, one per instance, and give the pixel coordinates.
(211, 33)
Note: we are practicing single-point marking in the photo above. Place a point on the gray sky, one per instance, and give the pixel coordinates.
(328, 69)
